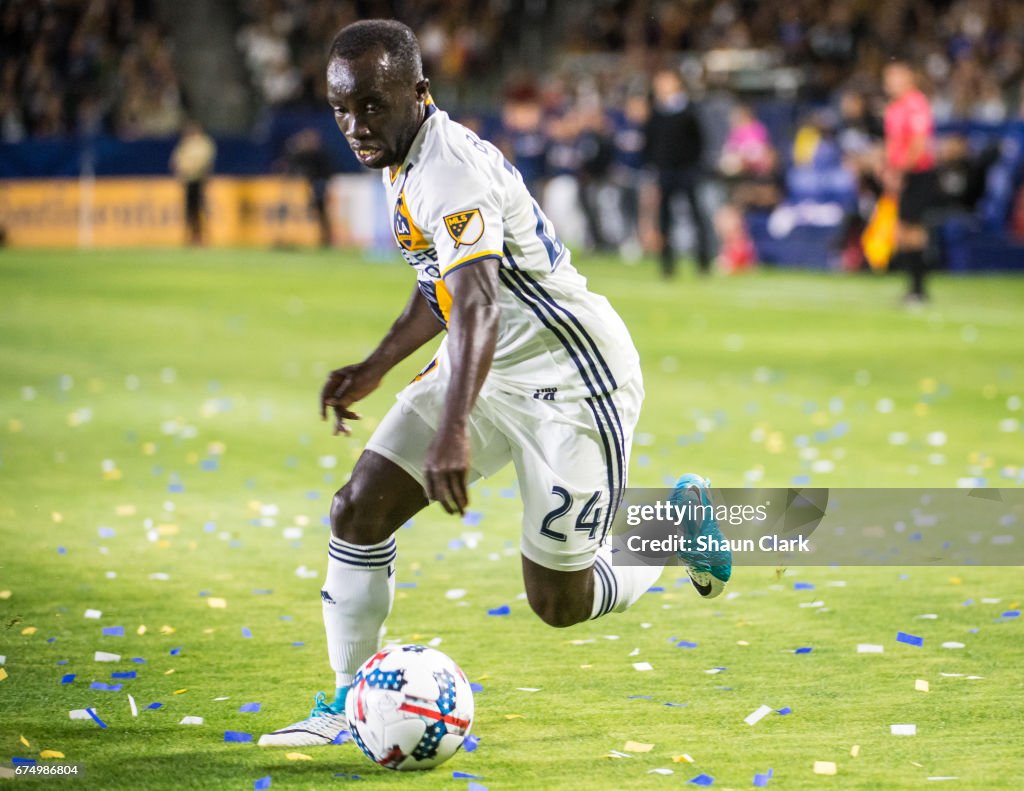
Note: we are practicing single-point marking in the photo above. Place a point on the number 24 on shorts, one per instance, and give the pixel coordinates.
(588, 521)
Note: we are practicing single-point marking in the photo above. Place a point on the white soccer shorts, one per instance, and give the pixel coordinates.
(571, 457)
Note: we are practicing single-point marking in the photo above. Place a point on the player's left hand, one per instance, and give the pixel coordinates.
(447, 469)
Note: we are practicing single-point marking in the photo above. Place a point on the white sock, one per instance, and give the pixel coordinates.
(357, 596)
(616, 588)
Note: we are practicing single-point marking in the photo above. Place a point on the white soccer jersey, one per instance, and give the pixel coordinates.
(456, 201)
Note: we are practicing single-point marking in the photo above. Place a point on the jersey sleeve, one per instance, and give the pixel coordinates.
(467, 221)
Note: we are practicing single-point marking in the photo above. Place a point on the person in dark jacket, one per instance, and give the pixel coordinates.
(674, 149)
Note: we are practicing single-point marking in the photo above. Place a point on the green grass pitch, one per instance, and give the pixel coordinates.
(160, 449)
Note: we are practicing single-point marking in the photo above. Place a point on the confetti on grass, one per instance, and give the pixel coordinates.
(502, 610)
(824, 768)
(637, 747)
(249, 708)
(761, 779)
(261, 784)
(903, 730)
(702, 780)
(237, 736)
(758, 714)
(909, 639)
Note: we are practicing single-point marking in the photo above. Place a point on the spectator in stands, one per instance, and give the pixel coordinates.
(594, 147)
(307, 158)
(628, 170)
(191, 162)
(909, 170)
(674, 148)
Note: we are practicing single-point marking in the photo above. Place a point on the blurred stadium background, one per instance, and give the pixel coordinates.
(95, 94)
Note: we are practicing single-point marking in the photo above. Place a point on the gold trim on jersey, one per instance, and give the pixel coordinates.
(471, 259)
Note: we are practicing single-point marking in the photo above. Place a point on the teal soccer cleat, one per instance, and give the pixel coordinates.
(323, 725)
(709, 569)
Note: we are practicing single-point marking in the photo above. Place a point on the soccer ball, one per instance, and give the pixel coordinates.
(409, 707)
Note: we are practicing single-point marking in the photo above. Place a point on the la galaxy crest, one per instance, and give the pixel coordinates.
(465, 227)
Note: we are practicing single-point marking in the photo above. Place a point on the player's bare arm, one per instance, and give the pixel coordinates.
(472, 335)
(344, 386)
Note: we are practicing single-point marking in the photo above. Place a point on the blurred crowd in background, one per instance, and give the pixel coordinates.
(576, 122)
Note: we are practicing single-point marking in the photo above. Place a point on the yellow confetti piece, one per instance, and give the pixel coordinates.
(216, 448)
(217, 603)
(112, 475)
(57, 517)
(5, 594)
(209, 631)
(13, 425)
(955, 581)
(165, 629)
(682, 759)
(921, 685)
(192, 457)
(181, 691)
(637, 747)
(514, 717)
(24, 741)
(141, 630)
(167, 530)
(149, 448)
(585, 667)
(742, 642)
(163, 543)
(824, 768)
(855, 751)
(3, 674)
(125, 510)
(51, 754)
(168, 672)
(29, 630)
(298, 757)
(921, 409)
(929, 385)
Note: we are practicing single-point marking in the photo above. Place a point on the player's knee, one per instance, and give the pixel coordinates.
(556, 612)
(357, 517)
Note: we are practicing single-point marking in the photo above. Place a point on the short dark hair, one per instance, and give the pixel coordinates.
(397, 40)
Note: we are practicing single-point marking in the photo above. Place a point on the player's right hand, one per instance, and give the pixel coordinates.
(345, 386)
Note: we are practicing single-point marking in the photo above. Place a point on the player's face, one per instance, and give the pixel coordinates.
(378, 111)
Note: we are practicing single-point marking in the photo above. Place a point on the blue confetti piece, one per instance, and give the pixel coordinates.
(466, 776)
(502, 610)
(237, 736)
(51, 639)
(209, 465)
(656, 589)
(470, 743)
(95, 718)
(909, 639)
(61, 551)
(99, 685)
(261, 784)
(675, 705)
(209, 527)
(456, 544)
(23, 761)
(138, 660)
(311, 495)
(803, 586)
(175, 488)
(761, 779)
(476, 687)
(123, 674)
(639, 697)
(297, 645)
(203, 594)
(797, 480)
(113, 631)
(968, 602)
(262, 591)
(476, 787)
(341, 738)
(686, 644)
(155, 706)
(246, 631)
(507, 493)
(175, 651)
(472, 518)
(67, 678)
(702, 780)
(1011, 614)
(784, 710)
(106, 532)
(62, 661)
(804, 650)
(405, 584)
(249, 708)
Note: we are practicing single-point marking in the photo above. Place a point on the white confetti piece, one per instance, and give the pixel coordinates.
(808, 604)
(943, 777)
(455, 593)
(223, 697)
(855, 751)
(617, 754)
(952, 675)
(529, 689)
(191, 721)
(907, 729)
(217, 603)
(824, 767)
(712, 671)
(921, 685)
(434, 642)
(928, 616)
(643, 666)
(79, 714)
(328, 462)
(952, 644)
(94, 614)
(104, 656)
(758, 714)
(292, 533)
(634, 652)
(837, 584)
(610, 636)
(305, 573)
(990, 600)
(159, 576)
(3, 659)
(132, 706)
(659, 771)
(870, 648)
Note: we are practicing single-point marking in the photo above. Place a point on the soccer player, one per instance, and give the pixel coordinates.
(534, 369)
(910, 162)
